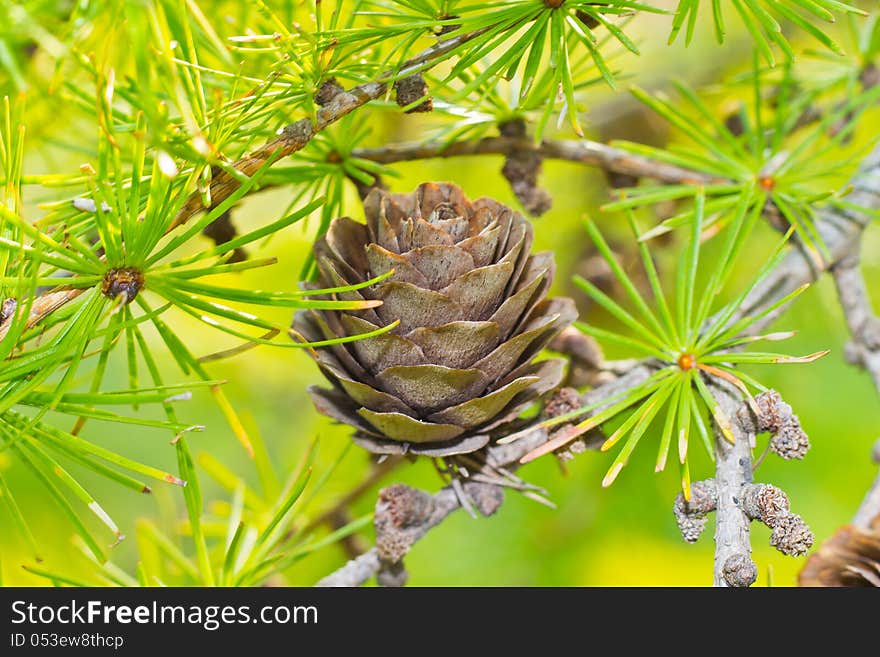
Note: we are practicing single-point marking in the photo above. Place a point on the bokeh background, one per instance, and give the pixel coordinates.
(624, 535)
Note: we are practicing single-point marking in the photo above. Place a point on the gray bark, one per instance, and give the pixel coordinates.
(733, 470)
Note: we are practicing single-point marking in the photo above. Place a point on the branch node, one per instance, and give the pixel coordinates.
(764, 502)
(769, 504)
(392, 574)
(328, 90)
(123, 282)
(564, 400)
(298, 132)
(739, 570)
(399, 509)
(789, 441)
(404, 514)
(792, 536)
(404, 506)
(485, 497)
(691, 516)
(409, 90)
(521, 169)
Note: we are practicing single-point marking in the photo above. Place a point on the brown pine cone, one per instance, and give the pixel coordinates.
(473, 315)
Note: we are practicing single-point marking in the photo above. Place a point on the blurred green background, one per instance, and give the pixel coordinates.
(624, 535)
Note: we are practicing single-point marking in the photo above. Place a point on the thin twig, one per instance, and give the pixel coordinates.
(864, 326)
(43, 306)
(355, 572)
(584, 151)
(294, 137)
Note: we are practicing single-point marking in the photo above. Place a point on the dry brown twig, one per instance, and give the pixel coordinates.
(582, 151)
(294, 137)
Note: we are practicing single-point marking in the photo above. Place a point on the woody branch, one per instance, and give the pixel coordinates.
(582, 151)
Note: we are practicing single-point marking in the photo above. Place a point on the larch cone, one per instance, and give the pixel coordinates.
(472, 304)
